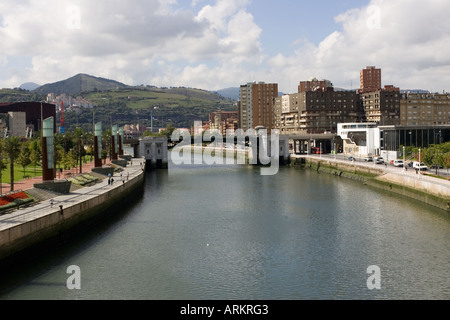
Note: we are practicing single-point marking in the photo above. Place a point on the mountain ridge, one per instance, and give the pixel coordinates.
(80, 83)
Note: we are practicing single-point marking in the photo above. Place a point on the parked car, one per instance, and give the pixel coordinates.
(368, 159)
(419, 166)
(379, 160)
(398, 163)
(410, 164)
(351, 158)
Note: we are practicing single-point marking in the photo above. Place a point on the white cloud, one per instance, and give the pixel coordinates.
(407, 40)
(219, 45)
(121, 39)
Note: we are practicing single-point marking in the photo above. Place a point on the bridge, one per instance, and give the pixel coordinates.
(155, 149)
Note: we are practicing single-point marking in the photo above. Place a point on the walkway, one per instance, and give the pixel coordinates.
(386, 168)
(43, 208)
(29, 183)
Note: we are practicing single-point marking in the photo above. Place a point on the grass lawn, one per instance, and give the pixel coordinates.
(18, 173)
(29, 171)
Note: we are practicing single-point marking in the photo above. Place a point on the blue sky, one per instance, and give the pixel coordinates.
(214, 44)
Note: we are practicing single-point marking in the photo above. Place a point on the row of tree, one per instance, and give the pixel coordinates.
(70, 151)
(435, 156)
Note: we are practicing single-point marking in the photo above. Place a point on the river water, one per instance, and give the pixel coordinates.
(227, 232)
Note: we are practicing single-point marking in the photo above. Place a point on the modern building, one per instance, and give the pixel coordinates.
(35, 112)
(370, 80)
(360, 139)
(369, 139)
(256, 105)
(17, 126)
(424, 109)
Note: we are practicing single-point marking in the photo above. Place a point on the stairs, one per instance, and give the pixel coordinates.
(41, 195)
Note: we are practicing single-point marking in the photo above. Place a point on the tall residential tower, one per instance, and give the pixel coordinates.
(256, 105)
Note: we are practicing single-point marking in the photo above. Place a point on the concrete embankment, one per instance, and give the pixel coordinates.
(429, 190)
(30, 226)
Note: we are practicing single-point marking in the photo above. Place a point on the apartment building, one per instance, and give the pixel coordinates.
(370, 79)
(317, 109)
(224, 121)
(287, 117)
(382, 106)
(424, 109)
(256, 105)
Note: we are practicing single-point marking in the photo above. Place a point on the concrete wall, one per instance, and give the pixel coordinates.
(33, 232)
(436, 194)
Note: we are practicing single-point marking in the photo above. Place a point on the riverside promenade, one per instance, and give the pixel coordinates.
(25, 226)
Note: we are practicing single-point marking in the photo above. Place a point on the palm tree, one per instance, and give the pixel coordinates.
(2, 164)
(12, 148)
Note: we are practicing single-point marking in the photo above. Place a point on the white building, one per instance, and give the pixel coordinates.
(364, 140)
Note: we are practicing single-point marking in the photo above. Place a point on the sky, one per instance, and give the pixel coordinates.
(216, 44)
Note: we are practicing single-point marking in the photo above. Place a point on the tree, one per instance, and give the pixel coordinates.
(2, 164)
(35, 153)
(12, 148)
(24, 158)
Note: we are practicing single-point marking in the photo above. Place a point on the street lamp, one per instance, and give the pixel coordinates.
(419, 163)
(404, 159)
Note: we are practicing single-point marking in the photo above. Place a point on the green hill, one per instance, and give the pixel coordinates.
(117, 103)
(79, 84)
(177, 106)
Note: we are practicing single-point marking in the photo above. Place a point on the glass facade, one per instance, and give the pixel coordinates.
(48, 133)
(392, 138)
(98, 134)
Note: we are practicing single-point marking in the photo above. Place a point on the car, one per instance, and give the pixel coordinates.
(351, 158)
(410, 164)
(419, 166)
(436, 166)
(398, 163)
(379, 160)
(368, 159)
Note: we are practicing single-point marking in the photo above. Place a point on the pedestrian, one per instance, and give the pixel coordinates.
(112, 181)
(109, 181)
(51, 203)
(128, 175)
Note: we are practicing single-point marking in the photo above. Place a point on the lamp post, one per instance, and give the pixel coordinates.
(404, 163)
(419, 163)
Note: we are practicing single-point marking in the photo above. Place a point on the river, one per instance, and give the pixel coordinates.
(229, 233)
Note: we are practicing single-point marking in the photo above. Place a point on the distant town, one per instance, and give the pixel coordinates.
(371, 120)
